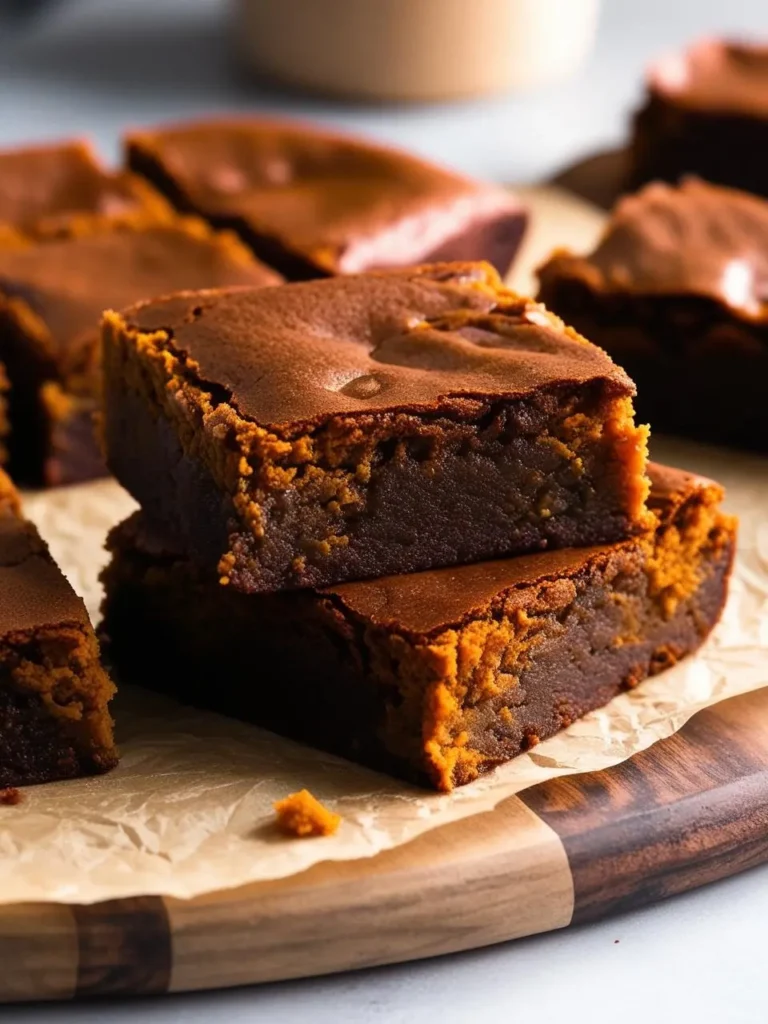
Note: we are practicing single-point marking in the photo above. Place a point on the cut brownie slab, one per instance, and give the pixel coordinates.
(354, 427)
(54, 694)
(706, 114)
(61, 188)
(677, 292)
(52, 295)
(437, 676)
(313, 203)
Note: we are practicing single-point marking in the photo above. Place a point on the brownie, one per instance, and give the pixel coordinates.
(438, 676)
(355, 427)
(54, 694)
(52, 295)
(313, 203)
(706, 113)
(676, 293)
(61, 188)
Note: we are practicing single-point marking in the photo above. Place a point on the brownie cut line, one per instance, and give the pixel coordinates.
(439, 676)
(52, 295)
(311, 202)
(676, 292)
(54, 694)
(356, 427)
(706, 113)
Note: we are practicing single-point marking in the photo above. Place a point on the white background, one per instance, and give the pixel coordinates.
(94, 66)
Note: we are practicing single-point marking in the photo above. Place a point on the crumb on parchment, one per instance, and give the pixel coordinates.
(301, 814)
(10, 796)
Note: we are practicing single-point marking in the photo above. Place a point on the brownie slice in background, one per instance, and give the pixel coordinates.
(313, 203)
(677, 293)
(52, 295)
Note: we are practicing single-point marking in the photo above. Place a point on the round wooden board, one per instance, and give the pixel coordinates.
(687, 811)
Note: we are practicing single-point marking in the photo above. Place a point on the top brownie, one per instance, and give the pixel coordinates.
(313, 203)
(371, 425)
(52, 189)
(706, 114)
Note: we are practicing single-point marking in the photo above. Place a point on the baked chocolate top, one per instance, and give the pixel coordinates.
(69, 282)
(715, 75)
(342, 203)
(43, 183)
(33, 591)
(416, 339)
(692, 239)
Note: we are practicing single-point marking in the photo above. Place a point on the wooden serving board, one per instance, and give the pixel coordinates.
(687, 811)
(690, 810)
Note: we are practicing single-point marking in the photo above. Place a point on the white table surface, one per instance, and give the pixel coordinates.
(94, 66)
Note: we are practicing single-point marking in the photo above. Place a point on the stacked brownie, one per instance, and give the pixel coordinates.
(399, 515)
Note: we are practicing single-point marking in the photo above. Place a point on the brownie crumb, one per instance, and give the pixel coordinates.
(10, 796)
(301, 814)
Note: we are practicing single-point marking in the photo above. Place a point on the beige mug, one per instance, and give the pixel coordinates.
(415, 49)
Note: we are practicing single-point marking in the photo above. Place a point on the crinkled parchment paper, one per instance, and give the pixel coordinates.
(189, 809)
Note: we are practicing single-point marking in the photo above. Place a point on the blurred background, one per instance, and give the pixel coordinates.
(70, 67)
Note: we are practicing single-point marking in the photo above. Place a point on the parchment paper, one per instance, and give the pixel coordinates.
(189, 809)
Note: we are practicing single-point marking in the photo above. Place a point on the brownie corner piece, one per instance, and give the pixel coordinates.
(54, 693)
(438, 676)
(354, 427)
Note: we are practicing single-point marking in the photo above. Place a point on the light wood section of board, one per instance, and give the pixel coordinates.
(501, 875)
(38, 952)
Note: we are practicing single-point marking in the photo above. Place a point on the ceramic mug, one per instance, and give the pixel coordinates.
(415, 49)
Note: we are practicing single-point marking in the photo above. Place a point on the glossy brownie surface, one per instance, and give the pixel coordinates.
(312, 202)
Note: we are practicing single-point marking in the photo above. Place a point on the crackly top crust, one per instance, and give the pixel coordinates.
(63, 285)
(33, 590)
(425, 603)
(692, 239)
(342, 203)
(714, 75)
(415, 339)
(43, 187)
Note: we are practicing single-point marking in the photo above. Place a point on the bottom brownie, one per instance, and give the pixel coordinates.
(437, 676)
(54, 694)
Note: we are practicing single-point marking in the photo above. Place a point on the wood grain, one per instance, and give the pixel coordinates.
(501, 875)
(688, 811)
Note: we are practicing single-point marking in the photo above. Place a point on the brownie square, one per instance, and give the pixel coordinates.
(60, 188)
(313, 203)
(706, 113)
(438, 676)
(676, 293)
(354, 427)
(54, 694)
(52, 295)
